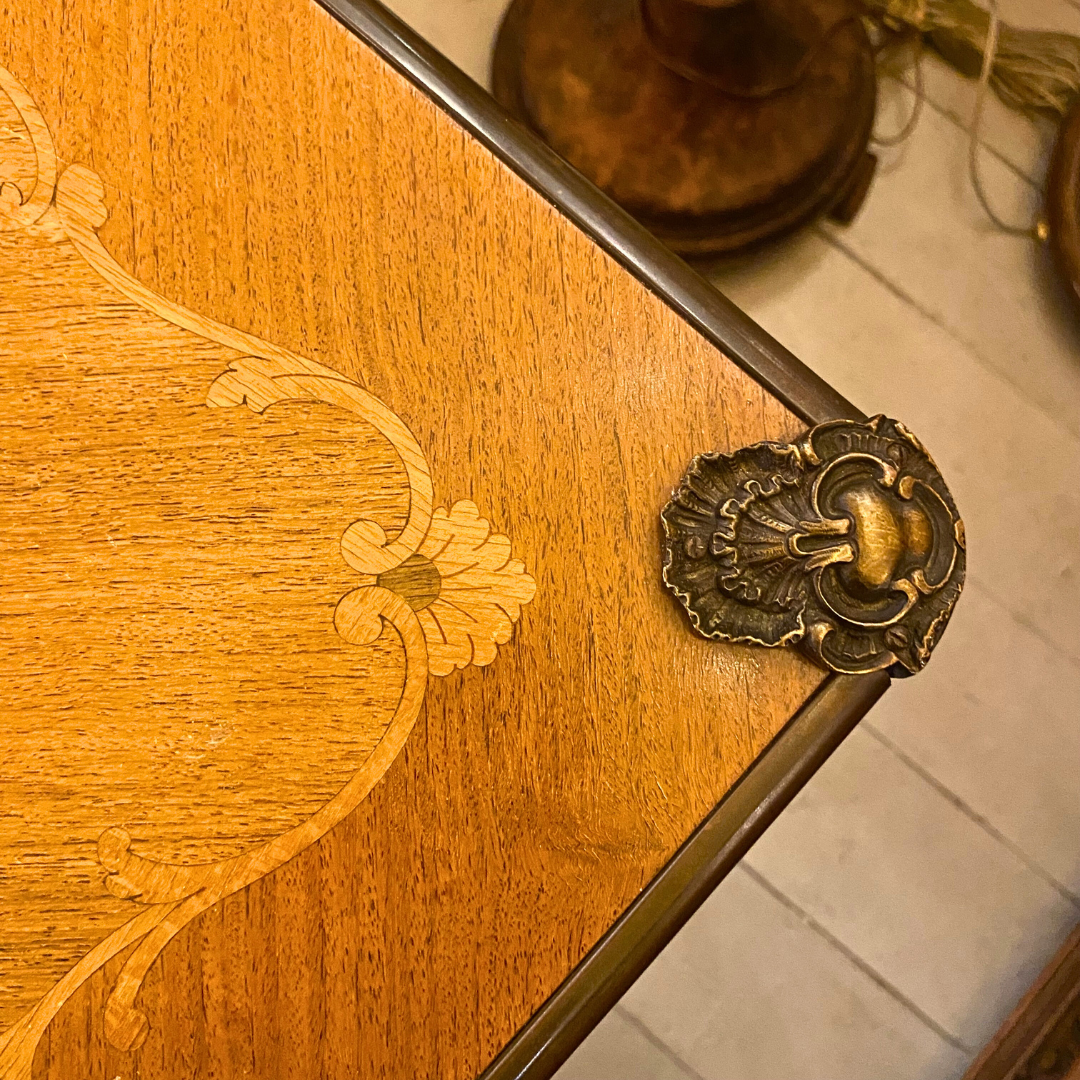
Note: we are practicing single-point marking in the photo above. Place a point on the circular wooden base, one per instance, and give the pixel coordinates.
(1063, 202)
(705, 171)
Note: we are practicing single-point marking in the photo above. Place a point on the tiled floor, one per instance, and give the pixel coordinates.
(893, 915)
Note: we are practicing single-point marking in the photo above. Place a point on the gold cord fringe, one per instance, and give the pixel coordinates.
(1034, 70)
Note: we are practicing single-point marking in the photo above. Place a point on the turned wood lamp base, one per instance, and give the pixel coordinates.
(1063, 202)
(717, 123)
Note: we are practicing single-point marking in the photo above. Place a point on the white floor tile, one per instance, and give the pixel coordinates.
(925, 896)
(995, 718)
(620, 1048)
(923, 230)
(463, 30)
(748, 991)
(1025, 141)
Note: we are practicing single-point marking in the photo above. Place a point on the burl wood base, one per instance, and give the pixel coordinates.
(705, 171)
(1063, 203)
(1041, 1038)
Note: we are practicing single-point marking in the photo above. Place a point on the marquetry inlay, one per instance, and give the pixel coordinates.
(225, 587)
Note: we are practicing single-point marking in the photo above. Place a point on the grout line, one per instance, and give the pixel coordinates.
(857, 960)
(969, 812)
(1025, 622)
(957, 121)
(833, 240)
(651, 1037)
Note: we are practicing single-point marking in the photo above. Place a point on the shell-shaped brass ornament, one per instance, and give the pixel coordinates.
(846, 543)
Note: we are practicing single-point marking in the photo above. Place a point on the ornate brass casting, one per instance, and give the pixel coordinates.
(846, 543)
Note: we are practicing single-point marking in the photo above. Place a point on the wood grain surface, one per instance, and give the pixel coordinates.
(265, 169)
(134, 610)
(233, 775)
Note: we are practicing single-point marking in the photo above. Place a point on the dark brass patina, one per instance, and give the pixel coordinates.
(846, 543)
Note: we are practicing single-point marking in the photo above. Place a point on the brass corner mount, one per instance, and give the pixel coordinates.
(845, 543)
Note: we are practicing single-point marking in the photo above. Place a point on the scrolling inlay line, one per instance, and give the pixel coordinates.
(445, 584)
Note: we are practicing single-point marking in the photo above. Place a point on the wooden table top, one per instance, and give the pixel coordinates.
(345, 711)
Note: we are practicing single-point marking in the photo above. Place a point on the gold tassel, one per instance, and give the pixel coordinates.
(1034, 70)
